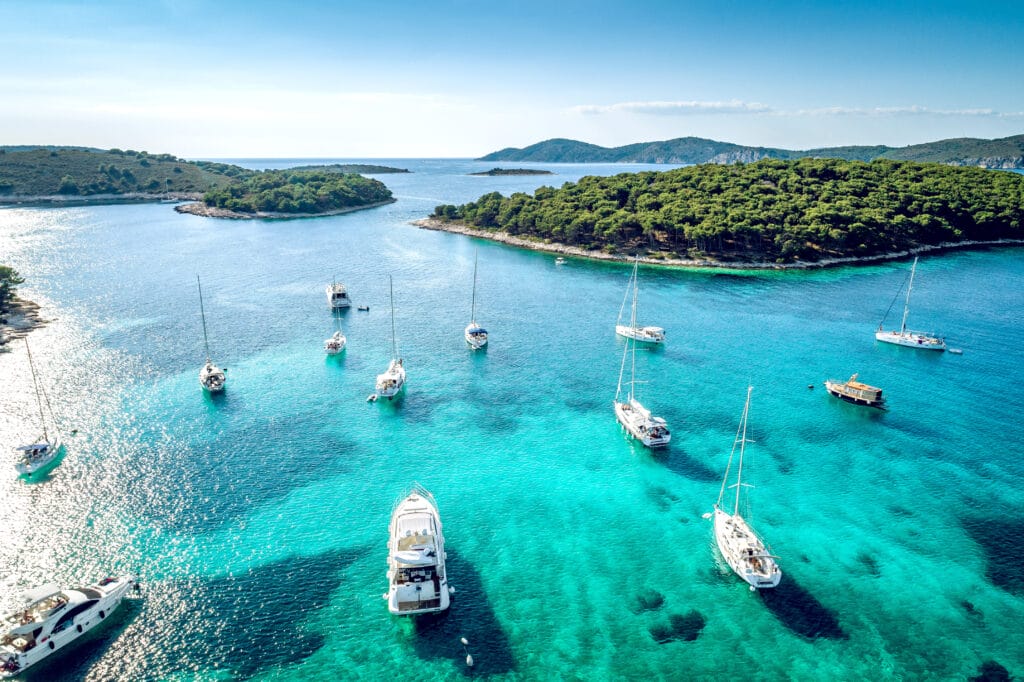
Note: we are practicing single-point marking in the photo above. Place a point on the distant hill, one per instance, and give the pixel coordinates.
(83, 172)
(513, 171)
(1007, 152)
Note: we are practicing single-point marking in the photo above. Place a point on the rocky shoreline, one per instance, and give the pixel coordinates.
(564, 250)
(18, 320)
(200, 209)
(61, 200)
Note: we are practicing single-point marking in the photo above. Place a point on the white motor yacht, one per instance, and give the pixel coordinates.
(337, 296)
(211, 377)
(50, 619)
(37, 456)
(335, 344)
(742, 548)
(417, 581)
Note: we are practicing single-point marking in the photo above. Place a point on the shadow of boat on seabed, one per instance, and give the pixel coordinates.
(801, 612)
(471, 616)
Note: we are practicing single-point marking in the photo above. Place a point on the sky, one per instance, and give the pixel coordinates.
(461, 78)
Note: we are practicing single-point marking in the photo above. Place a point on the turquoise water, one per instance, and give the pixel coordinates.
(258, 519)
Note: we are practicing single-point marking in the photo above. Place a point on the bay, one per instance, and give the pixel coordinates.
(258, 520)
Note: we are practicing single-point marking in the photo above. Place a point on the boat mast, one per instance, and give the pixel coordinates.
(626, 296)
(906, 306)
(743, 442)
(206, 341)
(394, 346)
(39, 401)
(472, 317)
(632, 326)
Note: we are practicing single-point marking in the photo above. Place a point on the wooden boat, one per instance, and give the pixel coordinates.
(856, 392)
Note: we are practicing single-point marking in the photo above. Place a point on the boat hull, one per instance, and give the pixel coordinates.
(642, 427)
(744, 552)
(337, 297)
(335, 344)
(212, 378)
(417, 575)
(390, 383)
(653, 335)
(836, 389)
(35, 464)
(911, 340)
(78, 626)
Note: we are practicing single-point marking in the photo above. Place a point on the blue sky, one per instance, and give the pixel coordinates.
(461, 78)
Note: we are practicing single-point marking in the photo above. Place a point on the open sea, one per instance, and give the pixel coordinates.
(257, 520)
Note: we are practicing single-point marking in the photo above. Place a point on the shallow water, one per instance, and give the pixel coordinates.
(258, 519)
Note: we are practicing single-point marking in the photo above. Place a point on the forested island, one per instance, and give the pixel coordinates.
(363, 168)
(1007, 152)
(513, 171)
(772, 211)
(84, 175)
(291, 193)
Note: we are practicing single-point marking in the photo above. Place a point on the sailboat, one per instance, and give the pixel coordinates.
(211, 377)
(743, 549)
(393, 380)
(905, 337)
(631, 331)
(476, 336)
(38, 455)
(635, 418)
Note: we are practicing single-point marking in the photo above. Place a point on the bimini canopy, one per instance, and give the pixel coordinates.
(476, 330)
(411, 558)
(34, 446)
(40, 593)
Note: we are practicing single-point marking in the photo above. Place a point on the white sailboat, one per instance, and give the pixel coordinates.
(337, 296)
(38, 455)
(49, 619)
(417, 579)
(632, 331)
(392, 381)
(743, 549)
(336, 343)
(632, 415)
(211, 377)
(905, 337)
(476, 336)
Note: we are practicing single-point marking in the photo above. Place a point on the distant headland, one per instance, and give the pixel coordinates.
(773, 213)
(514, 171)
(68, 176)
(1005, 153)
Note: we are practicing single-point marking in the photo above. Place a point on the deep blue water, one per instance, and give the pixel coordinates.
(258, 519)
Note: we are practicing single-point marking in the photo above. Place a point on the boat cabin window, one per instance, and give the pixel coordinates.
(66, 620)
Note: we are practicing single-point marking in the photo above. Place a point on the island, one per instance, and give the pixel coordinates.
(362, 168)
(1005, 153)
(67, 176)
(773, 213)
(291, 194)
(514, 171)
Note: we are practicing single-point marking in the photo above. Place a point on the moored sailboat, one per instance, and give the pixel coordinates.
(392, 381)
(417, 576)
(476, 336)
(742, 548)
(638, 421)
(40, 454)
(904, 336)
(211, 377)
(646, 334)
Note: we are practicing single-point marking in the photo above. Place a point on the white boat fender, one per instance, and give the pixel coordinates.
(469, 660)
(451, 590)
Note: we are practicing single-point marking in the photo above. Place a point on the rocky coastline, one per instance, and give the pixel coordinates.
(200, 209)
(565, 250)
(18, 320)
(60, 200)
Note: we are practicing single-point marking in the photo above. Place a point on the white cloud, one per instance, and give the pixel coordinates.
(679, 108)
(913, 110)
